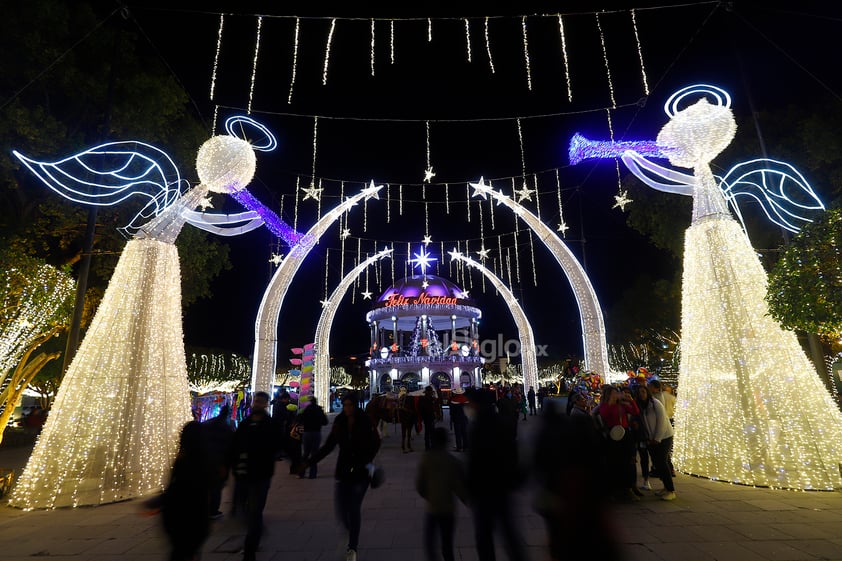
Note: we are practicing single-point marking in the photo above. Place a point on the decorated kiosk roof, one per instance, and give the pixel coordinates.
(412, 287)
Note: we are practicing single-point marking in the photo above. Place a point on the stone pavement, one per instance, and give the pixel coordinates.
(709, 521)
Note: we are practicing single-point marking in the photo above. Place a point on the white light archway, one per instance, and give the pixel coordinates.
(322, 366)
(266, 324)
(529, 361)
(593, 325)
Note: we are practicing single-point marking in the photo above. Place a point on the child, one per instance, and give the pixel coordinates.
(440, 479)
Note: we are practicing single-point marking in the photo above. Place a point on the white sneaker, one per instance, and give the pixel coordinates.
(668, 496)
(646, 485)
(351, 555)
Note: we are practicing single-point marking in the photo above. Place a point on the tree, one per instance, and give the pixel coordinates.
(36, 301)
(805, 286)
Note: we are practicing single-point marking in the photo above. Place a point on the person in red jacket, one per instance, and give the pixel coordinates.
(616, 411)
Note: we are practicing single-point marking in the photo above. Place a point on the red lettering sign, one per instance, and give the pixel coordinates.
(423, 298)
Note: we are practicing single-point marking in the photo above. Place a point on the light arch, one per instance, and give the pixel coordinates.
(266, 325)
(322, 362)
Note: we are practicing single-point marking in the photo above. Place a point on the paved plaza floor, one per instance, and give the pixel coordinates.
(709, 521)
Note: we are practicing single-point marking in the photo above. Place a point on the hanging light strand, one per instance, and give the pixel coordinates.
(216, 56)
(215, 117)
(447, 198)
(564, 57)
(605, 59)
(315, 144)
(327, 51)
(254, 63)
(392, 42)
(295, 208)
(468, 38)
(526, 53)
(532, 254)
(372, 73)
(616, 160)
(537, 196)
(468, 199)
(327, 255)
(294, 60)
(388, 203)
(488, 47)
(640, 54)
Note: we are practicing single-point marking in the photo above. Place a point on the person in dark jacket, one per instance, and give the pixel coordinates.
(253, 461)
(493, 473)
(459, 419)
(312, 418)
(530, 397)
(358, 443)
(184, 503)
(427, 412)
(219, 433)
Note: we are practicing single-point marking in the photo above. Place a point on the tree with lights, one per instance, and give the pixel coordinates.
(37, 301)
(813, 259)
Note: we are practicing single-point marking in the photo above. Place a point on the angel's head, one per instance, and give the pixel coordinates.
(697, 134)
(226, 163)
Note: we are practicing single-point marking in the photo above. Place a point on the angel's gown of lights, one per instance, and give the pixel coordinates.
(751, 408)
(112, 432)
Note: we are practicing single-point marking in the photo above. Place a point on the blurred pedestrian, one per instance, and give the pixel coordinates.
(256, 442)
(219, 434)
(439, 480)
(358, 443)
(184, 503)
(459, 420)
(530, 397)
(312, 418)
(493, 473)
(427, 412)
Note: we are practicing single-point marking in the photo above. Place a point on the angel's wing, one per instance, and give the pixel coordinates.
(110, 173)
(782, 192)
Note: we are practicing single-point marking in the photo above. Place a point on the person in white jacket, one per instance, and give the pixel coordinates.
(667, 399)
(654, 418)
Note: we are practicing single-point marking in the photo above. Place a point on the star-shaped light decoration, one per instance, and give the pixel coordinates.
(464, 295)
(423, 260)
(425, 284)
(372, 191)
(480, 189)
(499, 196)
(366, 295)
(276, 258)
(562, 227)
(324, 303)
(429, 174)
(427, 240)
(621, 200)
(312, 192)
(454, 254)
(524, 193)
(205, 203)
(344, 233)
(483, 253)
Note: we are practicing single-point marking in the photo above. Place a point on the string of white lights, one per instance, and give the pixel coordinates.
(294, 60)
(216, 56)
(327, 271)
(327, 50)
(392, 41)
(640, 54)
(388, 203)
(295, 208)
(315, 145)
(517, 253)
(605, 59)
(564, 58)
(254, 63)
(562, 226)
(447, 198)
(532, 254)
(537, 196)
(215, 117)
(468, 38)
(488, 47)
(372, 61)
(526, 54)
(400, 199)
(429, 30)
(468, 200)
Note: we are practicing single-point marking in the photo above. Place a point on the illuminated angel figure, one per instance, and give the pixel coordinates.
(751, 407)
(113, 429)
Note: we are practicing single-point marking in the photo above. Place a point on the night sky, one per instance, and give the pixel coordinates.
(375, 128)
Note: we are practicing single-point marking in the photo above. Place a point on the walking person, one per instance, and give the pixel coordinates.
(184, 503)
(313, 418)
(614, 417)
(407, 417)
(358, 443)
(219, 433)
(493, 473)
(530, 397)
(256, 442)
(459, 420)
(427, 411)
(439, 480)
(654, 418)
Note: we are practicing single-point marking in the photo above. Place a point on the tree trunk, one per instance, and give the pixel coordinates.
(22, 377)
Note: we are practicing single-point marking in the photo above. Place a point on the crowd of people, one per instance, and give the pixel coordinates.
(585, 456)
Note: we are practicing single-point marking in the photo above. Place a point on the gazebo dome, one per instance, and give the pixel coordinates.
(412, 287)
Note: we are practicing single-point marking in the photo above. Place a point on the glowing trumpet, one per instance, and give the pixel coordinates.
(583, 149)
